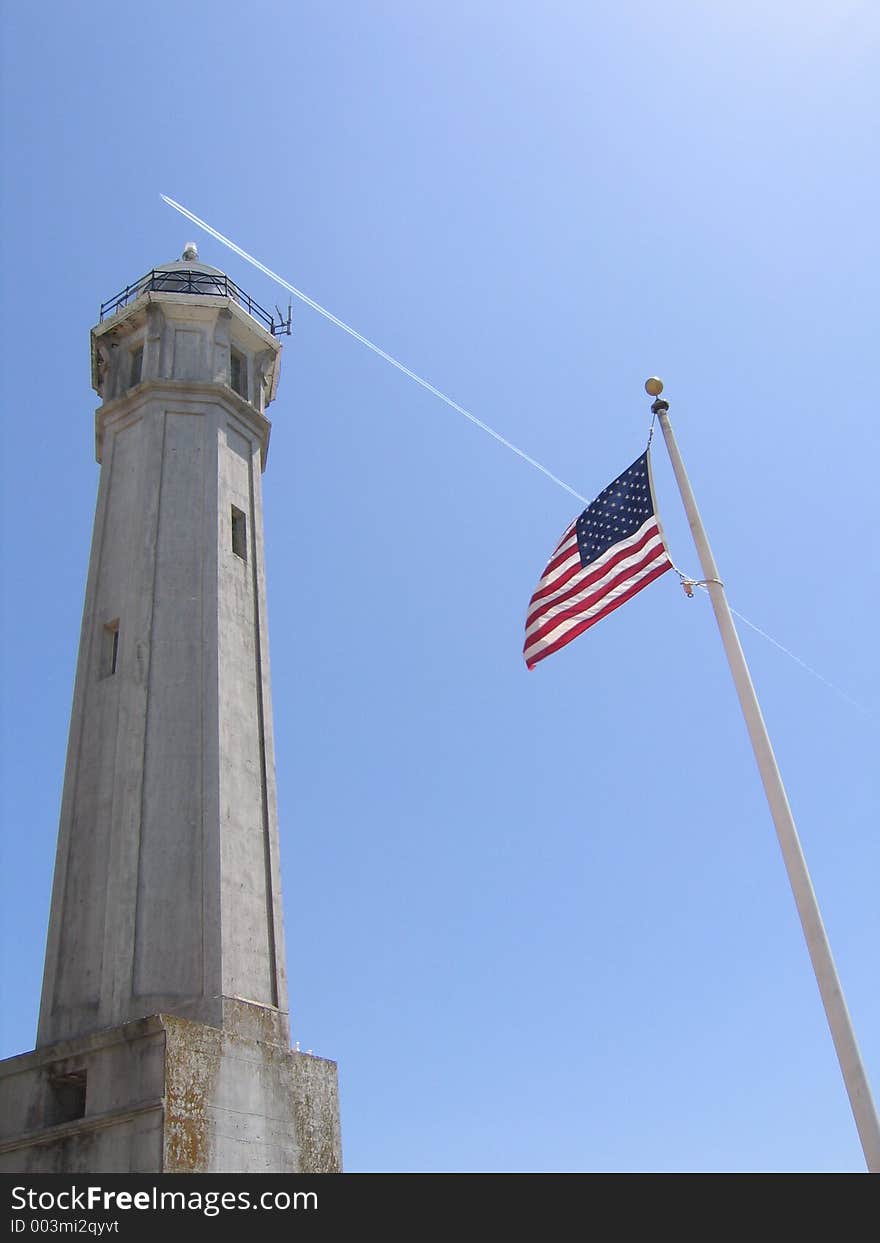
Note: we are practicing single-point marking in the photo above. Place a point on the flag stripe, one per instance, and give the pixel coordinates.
(593, 573)
(582, 603)
(555, 582)
(586, 600)
(569, 556)
(532, 658)
(561, 551)
(629, 542)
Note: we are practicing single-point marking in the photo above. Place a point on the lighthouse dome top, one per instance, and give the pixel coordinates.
(188, 275)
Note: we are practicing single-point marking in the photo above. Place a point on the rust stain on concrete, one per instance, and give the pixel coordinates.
(191, 1070)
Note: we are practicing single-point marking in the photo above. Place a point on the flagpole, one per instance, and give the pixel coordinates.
(854, 1077)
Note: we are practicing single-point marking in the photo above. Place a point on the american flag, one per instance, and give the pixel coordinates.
(613, 550)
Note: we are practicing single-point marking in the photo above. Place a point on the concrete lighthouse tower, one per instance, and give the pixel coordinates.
(163, 1041)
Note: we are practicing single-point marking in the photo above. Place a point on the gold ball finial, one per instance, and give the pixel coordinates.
(654, 386)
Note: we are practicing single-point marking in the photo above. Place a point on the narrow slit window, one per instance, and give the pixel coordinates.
(239, 533)
(137, 367)
(109, 648)
(238, 372)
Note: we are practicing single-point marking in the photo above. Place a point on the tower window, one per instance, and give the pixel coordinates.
(238, 372)
(67, 1096)
(137, 367)
(239, 533)
(109, 648)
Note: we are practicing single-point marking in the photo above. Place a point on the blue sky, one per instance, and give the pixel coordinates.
(540, 919)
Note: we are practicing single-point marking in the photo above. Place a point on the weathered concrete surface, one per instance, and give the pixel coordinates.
(234, 1104)
(121, 1130)
(163, 1040)
(167, 881)
(163, 1095)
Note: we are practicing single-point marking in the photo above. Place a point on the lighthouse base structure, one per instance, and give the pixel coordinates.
(163, 1095)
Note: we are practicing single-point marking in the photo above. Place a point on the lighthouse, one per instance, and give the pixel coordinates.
(163, 1042)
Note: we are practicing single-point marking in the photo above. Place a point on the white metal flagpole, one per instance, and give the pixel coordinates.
(854, 1077)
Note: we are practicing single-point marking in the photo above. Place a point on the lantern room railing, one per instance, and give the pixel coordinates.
(206, 284)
